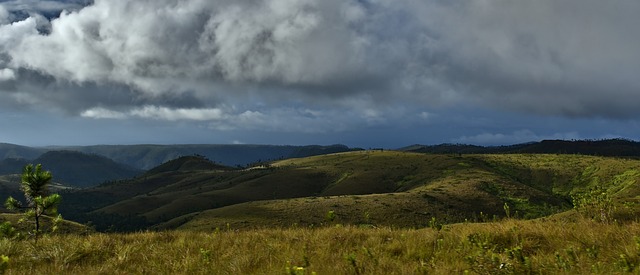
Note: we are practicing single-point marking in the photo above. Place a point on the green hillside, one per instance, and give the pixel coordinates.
(64, 227)
(368, 212)
(367, 187)
(412, 188)
(83, 170)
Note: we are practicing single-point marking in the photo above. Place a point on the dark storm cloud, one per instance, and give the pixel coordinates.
(233, 61)
(73, 98)
(571, 58)
(43, 6)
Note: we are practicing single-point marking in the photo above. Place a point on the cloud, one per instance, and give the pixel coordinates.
(572, 58)
(102, 113)
(164, 113)
(7, 74)
(4, 16)
(186, 41)
(43, 6)
(155, 112)
(248, 63)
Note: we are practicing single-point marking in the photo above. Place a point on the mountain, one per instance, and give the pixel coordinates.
(19, 152)
(608, 147)
(83, 170)
(148, 156)
(391, 188)
(186, 164)
(12, 166)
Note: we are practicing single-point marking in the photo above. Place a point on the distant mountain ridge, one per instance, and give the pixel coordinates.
(73, 169)
(19, 152)
(84, 170)
(607, 147)
(147, 156)
(86, 166)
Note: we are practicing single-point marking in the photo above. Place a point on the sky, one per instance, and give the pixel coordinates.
(365, 73)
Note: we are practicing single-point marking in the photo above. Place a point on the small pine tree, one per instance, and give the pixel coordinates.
(39, 203)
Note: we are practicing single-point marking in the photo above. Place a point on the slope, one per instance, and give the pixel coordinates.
(366, 187)
(82, 170)
(19, 152)
(148, 156)
(452, 189)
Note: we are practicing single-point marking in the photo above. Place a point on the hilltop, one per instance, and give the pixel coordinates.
(366, 187)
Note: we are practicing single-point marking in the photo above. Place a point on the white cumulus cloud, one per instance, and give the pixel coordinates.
(174, 59)
(7, 74)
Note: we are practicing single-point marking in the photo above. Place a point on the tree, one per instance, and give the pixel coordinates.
(39, 203)
(595, 204)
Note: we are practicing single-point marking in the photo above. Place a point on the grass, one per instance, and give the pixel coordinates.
(452, 189)
(299, 191)
(365, 213)
(504, 247)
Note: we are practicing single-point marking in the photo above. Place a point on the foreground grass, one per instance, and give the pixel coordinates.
(508, 247)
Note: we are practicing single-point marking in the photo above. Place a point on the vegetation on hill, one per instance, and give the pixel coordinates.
(188, 163)
(367, 187)
(83, 170)
(365, 212)
(39, 203)
(11, 166)
(406, 190)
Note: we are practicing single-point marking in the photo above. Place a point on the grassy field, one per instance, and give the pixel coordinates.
(363, 213)
(545, 246)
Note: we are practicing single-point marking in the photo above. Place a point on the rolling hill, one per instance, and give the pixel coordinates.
(19, 152)
(69, 168)
(391, 188)
(149, 156)
(87, 166)
(83, 170)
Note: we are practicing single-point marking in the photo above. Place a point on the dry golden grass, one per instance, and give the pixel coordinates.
(506, 247)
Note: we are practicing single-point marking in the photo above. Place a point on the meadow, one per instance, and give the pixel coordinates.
(569, 244)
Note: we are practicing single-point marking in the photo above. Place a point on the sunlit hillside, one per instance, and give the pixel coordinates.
(368, 187)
